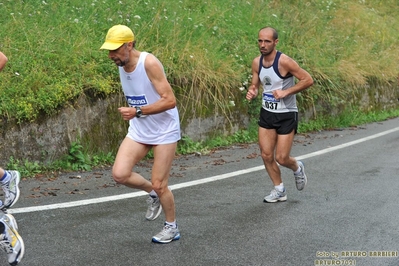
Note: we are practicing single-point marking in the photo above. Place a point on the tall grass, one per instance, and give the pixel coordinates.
(206, 47)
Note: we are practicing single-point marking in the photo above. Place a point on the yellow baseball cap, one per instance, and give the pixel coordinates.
(116, 36)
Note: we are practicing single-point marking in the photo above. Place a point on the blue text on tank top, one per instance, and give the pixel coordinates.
(136, 100)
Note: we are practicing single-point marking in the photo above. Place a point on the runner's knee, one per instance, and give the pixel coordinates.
(267, 157)
(282, 159)
(120, 177)
(159, 187)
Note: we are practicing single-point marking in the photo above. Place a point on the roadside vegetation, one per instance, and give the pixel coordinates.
(206, 47)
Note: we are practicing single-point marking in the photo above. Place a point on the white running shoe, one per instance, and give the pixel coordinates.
(11, 189)
(154, 208)
(275, 196)
(167, 235)
(301, 179)
(10, 241)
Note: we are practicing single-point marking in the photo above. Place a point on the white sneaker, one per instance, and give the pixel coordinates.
(301, 179)
(10, 241)
(276, 196)
(154, 208)
(11, 189)
(167, 235)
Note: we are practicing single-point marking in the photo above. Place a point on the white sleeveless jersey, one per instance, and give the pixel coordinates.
(161, 128)
(271, 80)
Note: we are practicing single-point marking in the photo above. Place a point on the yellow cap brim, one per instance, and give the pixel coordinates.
(111, 46)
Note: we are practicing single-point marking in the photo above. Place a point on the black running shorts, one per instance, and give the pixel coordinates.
(283, 123)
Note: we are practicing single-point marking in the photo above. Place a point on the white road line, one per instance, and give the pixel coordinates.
(190, 183)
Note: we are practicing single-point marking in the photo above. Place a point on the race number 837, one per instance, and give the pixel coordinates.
(269, 102)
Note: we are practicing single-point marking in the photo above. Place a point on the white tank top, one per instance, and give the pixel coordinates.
(162, 128)
(271, 80)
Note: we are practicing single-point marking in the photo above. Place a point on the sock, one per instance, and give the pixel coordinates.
(5, 178)
(153, 194)
(280, 187)
(298, 171)
(172, 224)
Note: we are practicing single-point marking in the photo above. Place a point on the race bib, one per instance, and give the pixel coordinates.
(269, 102)
(137, 100)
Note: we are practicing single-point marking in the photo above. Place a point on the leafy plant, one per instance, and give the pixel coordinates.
(187, 146)
(26, 168)
(76, 159)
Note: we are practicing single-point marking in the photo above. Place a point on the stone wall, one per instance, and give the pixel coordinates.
(96, 124)
(51, 138)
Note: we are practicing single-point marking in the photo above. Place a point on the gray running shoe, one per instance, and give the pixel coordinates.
(276, 196)
(10, 241)
(11, 189)
(301, 179)
(167, 235)
(154, 208)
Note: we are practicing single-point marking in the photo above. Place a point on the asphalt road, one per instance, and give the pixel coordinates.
(347, 214)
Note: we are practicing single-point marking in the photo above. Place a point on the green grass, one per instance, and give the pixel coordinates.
(349, 118)
(54, 51)
(206, 47)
